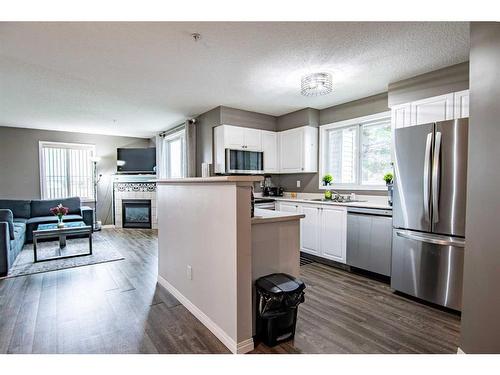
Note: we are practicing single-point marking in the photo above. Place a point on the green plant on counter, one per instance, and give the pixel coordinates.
(327, 179)
(388, 178)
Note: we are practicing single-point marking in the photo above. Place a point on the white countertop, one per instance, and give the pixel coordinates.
(262, 216)
(217, 179)
(378, 203)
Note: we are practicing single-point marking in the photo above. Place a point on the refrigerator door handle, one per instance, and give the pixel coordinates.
(436, 177)
(437, 240)
(427, 171)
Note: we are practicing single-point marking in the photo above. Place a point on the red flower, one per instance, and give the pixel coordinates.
(60, 210)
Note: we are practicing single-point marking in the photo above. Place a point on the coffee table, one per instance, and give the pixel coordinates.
(75, 228)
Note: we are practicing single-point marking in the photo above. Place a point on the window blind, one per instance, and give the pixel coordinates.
(66, 170)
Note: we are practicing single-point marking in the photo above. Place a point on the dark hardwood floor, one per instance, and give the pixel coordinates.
(117, 307)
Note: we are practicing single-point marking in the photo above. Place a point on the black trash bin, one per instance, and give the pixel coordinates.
(278, 299)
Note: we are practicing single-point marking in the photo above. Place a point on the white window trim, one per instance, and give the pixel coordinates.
(343, 124)
(181, 134)
(42, 144)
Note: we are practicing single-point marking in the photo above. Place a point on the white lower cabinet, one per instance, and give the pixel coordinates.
(322, 231)
(287, 207)
(310, 230)
(333, 233)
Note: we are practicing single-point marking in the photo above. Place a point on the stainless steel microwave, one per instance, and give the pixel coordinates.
(244, 162)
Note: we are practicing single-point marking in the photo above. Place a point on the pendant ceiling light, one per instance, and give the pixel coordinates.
(316, 84)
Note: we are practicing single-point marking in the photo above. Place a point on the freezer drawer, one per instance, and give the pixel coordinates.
(428, 266)
(369, 242)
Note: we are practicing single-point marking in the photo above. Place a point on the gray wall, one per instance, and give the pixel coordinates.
(302, 117)
(362, 107)
(238, 117)
(204, 136)
(19, 166)
(443, 81)
(480, 331)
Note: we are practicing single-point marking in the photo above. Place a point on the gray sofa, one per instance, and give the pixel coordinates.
(19, 218)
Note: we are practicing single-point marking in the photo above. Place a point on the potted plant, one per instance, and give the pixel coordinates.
(327, 181)
(389, 180)
(59, 211)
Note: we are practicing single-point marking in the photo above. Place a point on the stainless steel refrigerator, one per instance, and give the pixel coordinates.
(430, 165)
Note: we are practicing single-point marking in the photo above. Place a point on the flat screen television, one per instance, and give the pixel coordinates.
(136, 160)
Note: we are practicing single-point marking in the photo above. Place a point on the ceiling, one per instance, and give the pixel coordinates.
(140, 78)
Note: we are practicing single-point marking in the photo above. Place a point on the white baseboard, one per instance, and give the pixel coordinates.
(239, 348)
(460, 351)
(108, 226)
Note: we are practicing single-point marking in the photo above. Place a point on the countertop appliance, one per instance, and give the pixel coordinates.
(272, 191)
(244, 162)
(265, 203)
(369, 235)
(429, 211)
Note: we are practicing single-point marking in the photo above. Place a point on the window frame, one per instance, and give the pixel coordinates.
(41, 160)
(358, 122)
(180, 134)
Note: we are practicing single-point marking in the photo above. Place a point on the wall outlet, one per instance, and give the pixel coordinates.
(189, 272)
(298, 183)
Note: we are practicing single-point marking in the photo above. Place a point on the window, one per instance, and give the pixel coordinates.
(66, 170)
(175, 146)
(357, 153)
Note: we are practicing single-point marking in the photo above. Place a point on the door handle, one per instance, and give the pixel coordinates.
(444, 241)
(436, 178)
(427, 171)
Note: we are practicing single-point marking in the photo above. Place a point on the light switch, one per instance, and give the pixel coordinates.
(298, 183)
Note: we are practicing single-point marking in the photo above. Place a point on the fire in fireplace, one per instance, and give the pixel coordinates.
(136, 213)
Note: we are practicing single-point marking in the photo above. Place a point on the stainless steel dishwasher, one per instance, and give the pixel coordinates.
(369, 239)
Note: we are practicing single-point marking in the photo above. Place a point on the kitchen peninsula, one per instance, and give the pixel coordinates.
(210, 251)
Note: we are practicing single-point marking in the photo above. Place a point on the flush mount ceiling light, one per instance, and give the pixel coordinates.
(316, 84)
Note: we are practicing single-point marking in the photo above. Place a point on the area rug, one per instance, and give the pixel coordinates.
(102, 251)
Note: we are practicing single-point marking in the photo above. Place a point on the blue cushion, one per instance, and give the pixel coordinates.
(19, 228)
(52, 219)
(42, 207)
(6, 215)
(19, 208)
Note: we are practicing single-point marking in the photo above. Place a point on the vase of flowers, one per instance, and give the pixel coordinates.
(389, 181)
(59, 211)
(327, 181)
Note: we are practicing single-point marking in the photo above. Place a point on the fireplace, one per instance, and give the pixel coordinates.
(136, 213)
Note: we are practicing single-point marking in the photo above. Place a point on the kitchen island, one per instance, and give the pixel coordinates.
(210, 251)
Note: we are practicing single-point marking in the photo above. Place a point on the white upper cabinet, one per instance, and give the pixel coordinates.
(239, 138)
(289, 151)
(400, 115)
(270, 147)
(438, 108)
(461, 104)
(299, 150)
(252, 139)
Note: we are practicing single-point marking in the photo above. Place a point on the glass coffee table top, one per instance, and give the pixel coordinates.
(70, 224)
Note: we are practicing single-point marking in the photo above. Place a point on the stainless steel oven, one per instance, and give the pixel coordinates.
(244, 162)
